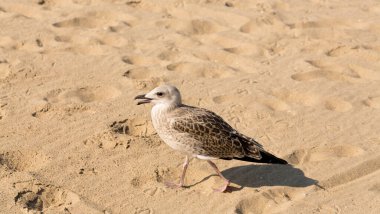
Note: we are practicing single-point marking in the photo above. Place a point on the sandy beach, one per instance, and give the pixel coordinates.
(301, 77)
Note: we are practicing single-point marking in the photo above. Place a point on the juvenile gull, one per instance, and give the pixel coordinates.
(200, 133)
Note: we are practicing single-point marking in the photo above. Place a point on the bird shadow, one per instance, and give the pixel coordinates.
(255, 176)
(201, 181)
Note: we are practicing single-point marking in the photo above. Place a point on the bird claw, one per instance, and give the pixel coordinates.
(223, 188)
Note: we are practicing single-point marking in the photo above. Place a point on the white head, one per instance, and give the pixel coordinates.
(165, 94)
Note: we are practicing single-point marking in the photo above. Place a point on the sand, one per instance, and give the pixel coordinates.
(301, 77)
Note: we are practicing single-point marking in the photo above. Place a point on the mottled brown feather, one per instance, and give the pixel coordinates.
(215, 136)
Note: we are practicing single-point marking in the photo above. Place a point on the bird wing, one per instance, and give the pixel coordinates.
(215, 137)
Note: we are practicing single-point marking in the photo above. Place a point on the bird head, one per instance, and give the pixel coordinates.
(164, 94)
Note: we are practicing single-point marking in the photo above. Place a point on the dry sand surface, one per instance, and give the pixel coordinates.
(301, 77)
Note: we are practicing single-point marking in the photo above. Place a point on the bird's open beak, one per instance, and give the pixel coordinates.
(142, 99)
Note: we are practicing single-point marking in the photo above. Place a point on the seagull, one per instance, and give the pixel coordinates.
(200, 133)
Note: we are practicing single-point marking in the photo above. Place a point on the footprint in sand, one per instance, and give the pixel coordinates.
(256, 204)
(352, 73)
(17, 69)
(268, 200)
(143, 211)
(323, 23)
(89, 45)
(275, 104)
(121, 133)
(193, 27)
(364, 72)
(2, 114)
(144, 77)
(74, 101)
(24, 10)
(372, 101)
(98, 19)
(146, 73)
(201, 26)
(272, 103)
(4, 69)
(322, 28)
(324, 153)
(170, 54)
(88, 48)
(83, 95)
(8, 43)
(301, 98)
(340, 51)
(267, 22)
(357, 171)
(337, 104)
(222, 99)
(201, 70)
(225, 60)
(150, 82)
(62, 38)
(375, 188)
(107, 140)
(36, 197)
(23, 160)
(327, 74)
(136, 126)
(99, 44)
(2, 111)
(90, 21)
(307, 76)
(356, 73)
(139, 60)
(246, 50)
(113, 40)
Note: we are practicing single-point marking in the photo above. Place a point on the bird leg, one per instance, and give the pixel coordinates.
(226, 181)
(182, 179)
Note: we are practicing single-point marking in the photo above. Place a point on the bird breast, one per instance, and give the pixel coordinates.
(161, 123)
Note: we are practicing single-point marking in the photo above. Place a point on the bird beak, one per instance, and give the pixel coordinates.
(142, 99)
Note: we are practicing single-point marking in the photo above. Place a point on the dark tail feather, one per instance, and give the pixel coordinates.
(265, 158)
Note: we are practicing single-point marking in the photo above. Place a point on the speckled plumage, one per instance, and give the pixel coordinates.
(200, 133)
(205, 134)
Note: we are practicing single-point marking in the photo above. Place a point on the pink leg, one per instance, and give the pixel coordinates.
(226, 181)
(182, 179)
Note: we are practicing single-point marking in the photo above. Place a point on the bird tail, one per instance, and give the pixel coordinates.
(266, 157)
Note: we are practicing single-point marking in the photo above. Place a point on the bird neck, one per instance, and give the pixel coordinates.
(163, 108)
(159, 112)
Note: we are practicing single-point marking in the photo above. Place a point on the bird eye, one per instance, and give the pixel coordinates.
(160, 94)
